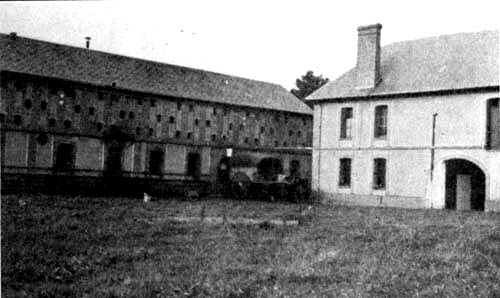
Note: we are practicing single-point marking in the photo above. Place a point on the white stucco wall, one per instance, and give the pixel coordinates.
(460, 132)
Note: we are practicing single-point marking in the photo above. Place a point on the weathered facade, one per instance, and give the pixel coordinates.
(415, 124)
(74, 112)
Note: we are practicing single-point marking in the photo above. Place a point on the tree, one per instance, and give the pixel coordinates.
(308, 84)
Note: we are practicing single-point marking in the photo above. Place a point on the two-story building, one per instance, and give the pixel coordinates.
(75, 117)
(415, 124)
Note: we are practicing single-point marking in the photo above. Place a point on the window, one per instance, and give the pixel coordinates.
(43, 105)
(156, 161)
(379, 169)
(139, 102)
(214, 111)
(177, 134)
(171, 119)
(151, 132)
(28, 104)
(493, 124)
(152, 102)
(42, 139)
(208, 123)
(78, 109)
(179, 106)
(214, 137)
(100, 96)
(20, 86)
(67, 124)
(64, 157)
(158, 118)
(52, 122)
(191, 108)
(294, 167)
(262, 129)
(345, 172)
(196, 121)
(230, 126)
(114, 98)
(138, 130)
(189, 135)
(346, 123)
(91, 111)
(99, 126)
(380, 121)
(18, 120)
(194, 165)
(122, 114)
(290, 133)
(131, 115)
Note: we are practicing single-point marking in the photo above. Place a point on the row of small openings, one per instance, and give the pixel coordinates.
(70, 92)
(43, 106)
(99, 126)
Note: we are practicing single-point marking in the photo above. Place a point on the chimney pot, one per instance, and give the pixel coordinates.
(13, 35)
(368, 64)
(87, 43)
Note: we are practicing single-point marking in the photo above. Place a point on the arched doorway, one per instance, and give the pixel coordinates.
(465, 185)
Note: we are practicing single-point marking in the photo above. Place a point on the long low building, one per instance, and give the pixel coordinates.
(79, 115)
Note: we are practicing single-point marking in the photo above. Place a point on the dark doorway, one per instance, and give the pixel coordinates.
(194, 165)
(64, 157)
(156, 162)
(114, 160)
(465, 185)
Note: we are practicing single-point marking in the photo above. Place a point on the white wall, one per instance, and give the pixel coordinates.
(460, 130)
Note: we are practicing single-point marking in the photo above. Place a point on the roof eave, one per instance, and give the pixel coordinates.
(490, 88)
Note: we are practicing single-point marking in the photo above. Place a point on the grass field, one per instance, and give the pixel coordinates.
(55, 246)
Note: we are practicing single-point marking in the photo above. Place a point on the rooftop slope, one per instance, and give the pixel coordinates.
(30, 56)
(458, 61)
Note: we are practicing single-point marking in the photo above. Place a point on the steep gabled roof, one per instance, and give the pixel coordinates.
(449, 62)
(30, 56)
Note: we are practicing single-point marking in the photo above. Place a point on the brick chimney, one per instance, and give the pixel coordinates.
(368, 64)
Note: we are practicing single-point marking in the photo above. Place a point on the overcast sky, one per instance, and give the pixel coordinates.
(274, 41)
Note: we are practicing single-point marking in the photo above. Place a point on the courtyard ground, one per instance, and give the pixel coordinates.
(57, 246)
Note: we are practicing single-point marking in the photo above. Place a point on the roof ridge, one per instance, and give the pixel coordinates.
(141, 59)
(437, 37)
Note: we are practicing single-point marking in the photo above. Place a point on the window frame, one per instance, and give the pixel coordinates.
(345, 173)
(381, 120)
(377, 169)
(345, 130)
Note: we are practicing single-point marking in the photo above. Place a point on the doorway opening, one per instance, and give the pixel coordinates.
(465, 185)
(194, 165)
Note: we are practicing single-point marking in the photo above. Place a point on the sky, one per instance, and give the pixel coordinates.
(273, 41)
